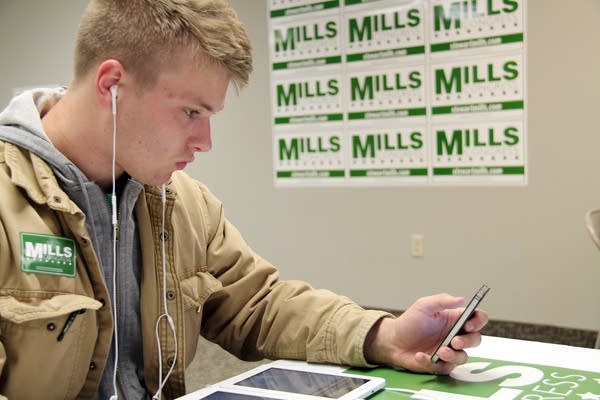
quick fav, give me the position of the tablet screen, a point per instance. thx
(303, 382)
(220, 395)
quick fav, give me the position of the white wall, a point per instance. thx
(528, 243)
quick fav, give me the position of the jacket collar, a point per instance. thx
(34, 175)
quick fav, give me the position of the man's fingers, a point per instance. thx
(465, 341)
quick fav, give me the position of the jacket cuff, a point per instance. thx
(347, 332)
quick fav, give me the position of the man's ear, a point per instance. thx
(108, 75)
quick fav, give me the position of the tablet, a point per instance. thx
(305, 381)
(219, 393)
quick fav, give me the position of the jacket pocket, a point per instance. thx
(195, 291)
(49, 340)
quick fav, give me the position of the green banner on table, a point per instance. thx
(489, 379)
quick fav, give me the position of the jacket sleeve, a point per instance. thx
(257, 315)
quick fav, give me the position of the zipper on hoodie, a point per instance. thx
(108, 197)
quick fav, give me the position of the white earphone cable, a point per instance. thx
(115, 222)
(165, 313)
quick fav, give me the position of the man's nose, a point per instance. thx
(201, 138)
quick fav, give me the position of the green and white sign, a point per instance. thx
(305, 42)
(387, 93)
(397, 154)
(313, 99)
(383, 33)
(475, 24)
(283, 8)
(47, 254)
(476, 151)
(484, 84)
(311, 155)
(392, 92)
(490, 379)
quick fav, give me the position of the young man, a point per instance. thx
(112, 261)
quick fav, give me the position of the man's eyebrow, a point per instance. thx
(207, 106)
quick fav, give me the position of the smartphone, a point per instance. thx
(460, 322)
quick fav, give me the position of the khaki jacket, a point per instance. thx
(216, 286)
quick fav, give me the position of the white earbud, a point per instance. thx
(113, 92)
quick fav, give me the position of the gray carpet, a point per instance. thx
(213, 364)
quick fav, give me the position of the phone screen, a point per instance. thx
(464, 317)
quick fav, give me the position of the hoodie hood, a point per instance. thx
(21, 124)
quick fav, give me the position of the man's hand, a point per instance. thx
(408, 340)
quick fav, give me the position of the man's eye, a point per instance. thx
(192, 113)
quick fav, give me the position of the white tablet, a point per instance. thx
(219, 393)
(304, 381)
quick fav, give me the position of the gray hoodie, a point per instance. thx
(20, 124)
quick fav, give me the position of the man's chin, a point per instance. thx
(154, 180)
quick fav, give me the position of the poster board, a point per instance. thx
(503, 369)
(409, 92)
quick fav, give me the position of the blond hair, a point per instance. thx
(144, 35)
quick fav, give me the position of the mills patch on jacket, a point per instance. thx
(47, 254)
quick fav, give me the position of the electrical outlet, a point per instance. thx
(417, 248)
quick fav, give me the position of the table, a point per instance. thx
(499, 369)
